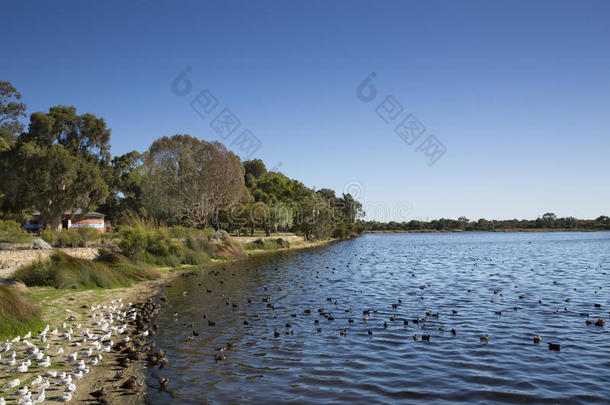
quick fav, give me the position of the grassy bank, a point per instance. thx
(17, 314)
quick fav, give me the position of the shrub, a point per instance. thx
(69, 238)
(152, 246)
(88, 234)
(341, 232)
(17, 314)
(195, 258)
(201, 245)
(134, 241)
(122, 264)
(50, 236)
(228, 248)
(268, 244)
(219, 235)
(108, 237)
(64, 271)
(13, 232)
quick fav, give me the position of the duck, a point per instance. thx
(554, 346)
(485, 338)
(99, 393)
(537, 339)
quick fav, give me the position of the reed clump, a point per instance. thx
(62, 271)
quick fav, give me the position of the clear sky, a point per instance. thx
(518, 92)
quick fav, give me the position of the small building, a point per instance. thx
(70, 220)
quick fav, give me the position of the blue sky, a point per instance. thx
(518, 93)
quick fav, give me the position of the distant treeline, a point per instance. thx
(62, 163)
(548, 221)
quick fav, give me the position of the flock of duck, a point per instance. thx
(47, 366)
(373, 319)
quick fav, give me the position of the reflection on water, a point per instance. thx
(540, 284)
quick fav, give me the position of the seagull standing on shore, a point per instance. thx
(40, 399)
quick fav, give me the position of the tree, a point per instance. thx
(84, 136)
(549, 216)
(56, 166)
(124, 178)
(187, 181)
(52, 181)
(255, 167)
(10, 112)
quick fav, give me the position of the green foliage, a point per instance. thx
(192, 257)
(17, 314)
(187, 180)
(50, 236)
(109, 237)
(13, 232)
(220, 235)
(268, 244)
(11, 110)
(134, 242)
(156, 246)
(64, 271)
(548, 221)
(88, 234)
(200, 245)
(69, 238)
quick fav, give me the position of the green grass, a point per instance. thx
(17, 314)
(62, 271)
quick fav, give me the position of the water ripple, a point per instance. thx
(510, 287)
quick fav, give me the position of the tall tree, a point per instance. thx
(11, 109)
(187, 180)
(57, 165)
(52, 181)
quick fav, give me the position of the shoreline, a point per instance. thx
(114, 370)
(517, 230)
(152, 291)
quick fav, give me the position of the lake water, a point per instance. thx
(431, 274)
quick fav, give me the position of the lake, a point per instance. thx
(509, 286)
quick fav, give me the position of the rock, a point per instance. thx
(40, 244)
(14, 284)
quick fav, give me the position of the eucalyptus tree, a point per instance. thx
(188, 181)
